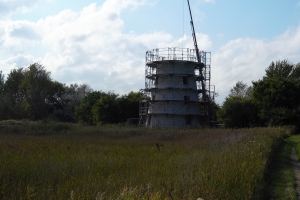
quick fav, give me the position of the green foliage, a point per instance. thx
(55, 98)
(129, 106)
(240, 90)
(277, 94)
(238, 110)
(31, 94)
(84, 110)
(3, 100)
(28, 93)
(2, 82)
(134, 163)
(14, 95)
(105, 110)
(279, 69)
(70, 98)
(36, 85)
(108, 108)
(272, 101)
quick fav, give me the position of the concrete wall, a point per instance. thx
(175, 97)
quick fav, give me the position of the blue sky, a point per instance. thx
(103, 42)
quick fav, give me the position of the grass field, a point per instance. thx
(63, 161)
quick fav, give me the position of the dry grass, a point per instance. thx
(119, 162)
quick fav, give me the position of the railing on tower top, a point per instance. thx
(174, 53)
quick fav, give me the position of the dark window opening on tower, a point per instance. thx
(185, 80)
(188, 120)
(156, 81)
(186, 99)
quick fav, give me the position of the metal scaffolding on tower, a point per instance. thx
(177, 89)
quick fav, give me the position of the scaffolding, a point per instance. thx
(174, 88)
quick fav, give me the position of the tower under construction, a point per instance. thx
(177, 90)
(174, 96)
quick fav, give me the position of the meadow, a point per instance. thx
(47, 160)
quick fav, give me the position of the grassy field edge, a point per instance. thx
(280, 181)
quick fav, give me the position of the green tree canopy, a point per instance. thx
(14, 95)
(277, 95)
(238, 110)
(102, 108)
(12, 86)
(2, 82)
(240, 90)
(129, 106)
(72, 98)
(105, 110)
(37, 86)
(84, 110)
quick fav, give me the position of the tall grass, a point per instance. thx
(119, 162)
(281, 177)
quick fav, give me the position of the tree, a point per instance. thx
(30, 93)
(278, 94)
(14, 95)
(12, 86)
(2, 82)
(280, 69)
(240, 90)
(37, 87)
(72, 97)
(129, 106)
(84, 110)
(3, 100)
(55, 100)
(105, 110)
(102, 108)
(238, 110)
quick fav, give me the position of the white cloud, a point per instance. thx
(203, 41)
(84, 47)
(91, 47)
(8, 7)
(245, 59)
(18, 60)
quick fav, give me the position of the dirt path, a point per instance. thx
(296, 164)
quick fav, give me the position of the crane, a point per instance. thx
(198, 55)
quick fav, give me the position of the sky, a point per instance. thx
(103, 42)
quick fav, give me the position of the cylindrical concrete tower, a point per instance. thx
(173, 90)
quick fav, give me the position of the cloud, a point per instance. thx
(90, 46)
(83, 47)
(23, 30)
(8, 7)
(203, 41)
(245, 59)
(16, 61)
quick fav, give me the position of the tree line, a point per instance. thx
(273, 100)
(30, 93)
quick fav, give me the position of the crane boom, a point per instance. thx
(197, 52)
(194, 34)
